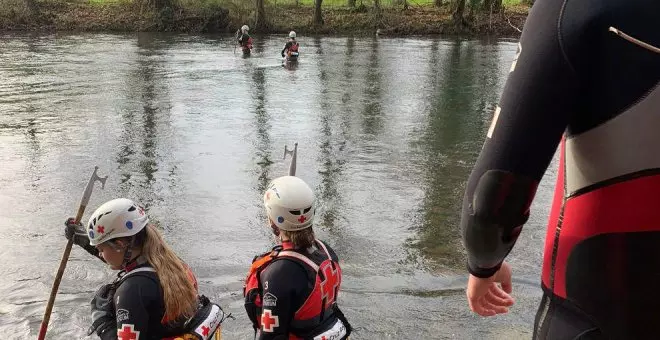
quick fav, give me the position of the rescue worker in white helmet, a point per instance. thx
(244, 39)
(290, 49)
(155, 293)
(291, 291)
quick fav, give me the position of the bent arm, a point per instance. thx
(538, 99)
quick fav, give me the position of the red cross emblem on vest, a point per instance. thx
(127, 333)
(269, 321)
(205, 330)
(331, 279)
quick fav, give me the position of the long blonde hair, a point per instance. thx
(179, 292)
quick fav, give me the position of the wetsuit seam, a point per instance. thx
(577, 337)
(560, 220)
(640, 98)
(561, 40)
(623, 111)
(615, 180)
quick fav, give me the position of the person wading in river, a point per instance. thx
(290, 49)
(244, 39)
(155, 293)
(291, 291)
(579, 82)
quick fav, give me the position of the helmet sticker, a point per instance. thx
(129, 225)
(280, 219)
(100, 229)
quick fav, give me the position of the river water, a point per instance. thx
(388, 129)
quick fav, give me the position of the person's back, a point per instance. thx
(305, 304)
(576, 81)
(291, 47)
(601, 251)
(243, 37)
(291, 292)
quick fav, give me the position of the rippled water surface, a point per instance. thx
(387, 129)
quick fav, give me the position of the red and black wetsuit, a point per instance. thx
(577, 85)
(291, 294)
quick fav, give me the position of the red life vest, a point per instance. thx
(319, 306)
(294, 47)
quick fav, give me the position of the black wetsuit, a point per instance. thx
(139, 306)
(243, 39)
(138, 302)
(580, 86)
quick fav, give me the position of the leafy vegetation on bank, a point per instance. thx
(397, 17)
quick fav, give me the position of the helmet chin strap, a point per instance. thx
(128, 253)
(275, 229)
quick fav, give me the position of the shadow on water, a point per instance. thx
(149, 107)
(452, 132)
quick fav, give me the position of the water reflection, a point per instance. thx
(331, 141)
(453, 130)
(262, 125)
(385, 150)
(147, 111)
(372, 120)
(34, 153)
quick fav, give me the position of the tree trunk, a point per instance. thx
(437, 3)
(458, 11)
(351, 3)
(492, 6)
(260, 22)
(33, 10)
(318, 16)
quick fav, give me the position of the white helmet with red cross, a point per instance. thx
(120, 217)
(289, 203)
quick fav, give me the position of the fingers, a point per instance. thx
(495, 296)
(502, 295)
(494, 302)
(478, 306)
(506, 286)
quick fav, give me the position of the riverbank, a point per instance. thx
(99, 15)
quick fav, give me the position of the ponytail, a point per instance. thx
(179, 291)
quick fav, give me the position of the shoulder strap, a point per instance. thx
(137, 271)
(305, 259)
(300, 257)
(260, 263)
(324, 248)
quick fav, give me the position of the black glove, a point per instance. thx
(77, 232)
(103, 319)
(282, 54)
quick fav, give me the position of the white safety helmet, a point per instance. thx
(245, 28)
(292, 34)
(289, 203)
(120, 217)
